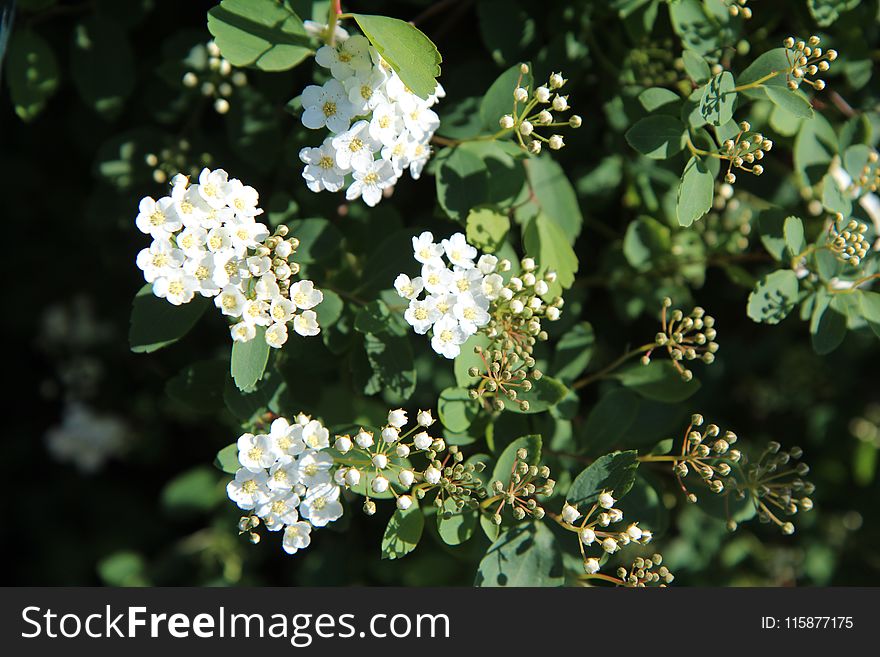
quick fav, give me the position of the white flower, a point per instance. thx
(471, 313)
(246, 233)
(487, 264)
(242, 332)
(459, 251)
(387, 126)
(588, 536)
(634, 532)
(279, 510)
(305, 295)
(591, 566)
(516, 306)
(560, 103)
(202, 270)
(520, 95)
(448, 337)
(397, 418)
(465, 280)
(355, 148)
(364, 90)
(569, 513)
(282, 310)
(296, 537)
(616, 515)
(492, 286)
(327, 106)
(322, 172)
(364, 438)
(421, 315)
(408, 288)
(542, 94)
(256, 452)
(380, 461)
(192, 240)
(212, 187)
(352, 476)
(159, 259)
(256, 312)
(177, 287)
(370, 182)
(306, 323)
(404, 502)
(276, 335)
(156, 218)
(442, 302)
(437, 279)
(418, 119)
(406, 478)
(432, 475)
(288, 439)
(422, 440)
(424, 418)
(313, 468)
(605, 500)
(242, 199)
(248, 488)
(314, 435)
(402, 450)
(556, 142)
(347, 58)
(283, 474)
(379, 484)
(425, 251)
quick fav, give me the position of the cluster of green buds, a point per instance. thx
(806, 60)
(248, 525)
(846, 239)
(508, 366)
(376, 462)
(744, 151)
(869, 176)
(685, 338)
(519, 493)
(176, 158)
(776, 485)
(533, 111)
(279, 249)
(645, 572)
(738, 8)
(594, 528)
(212, 75)
(709, 453)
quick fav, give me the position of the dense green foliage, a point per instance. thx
(633, 210)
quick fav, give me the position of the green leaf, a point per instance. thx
(774, 297)
(555, 195)
(827, 325)
(695, 193)
(695, 66)
(196, 490)
(457, 410)
(772, 61)
(658, 380)
(573, 352)
(833, 198)
(504, 465)
(462, 182)
(468, 359)
(659, 136)
(456, 526)
(793, 102)
(658, 98)
(814, 148)
(124, 568)
(319, 240)
(609, 420)
(227, 459)
(156, 323)
(391, 362)
(613, 472)
(376, 318)
(264, 34)
(412, 55)
(793, 231)
(403, 532)
(32, 72)
(498, 100)
(249, 361)
(546, 392)
(523, 555)
(487, 229)
(870, 305)
(826, 12)
(646, 241)
(719, 99)
(102, 65)
(547, 244)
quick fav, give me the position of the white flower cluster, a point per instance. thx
(378, 128)
(207, 241)
(457, 294)
(86, 438)
(285, 479)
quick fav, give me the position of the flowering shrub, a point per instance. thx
(486, 371)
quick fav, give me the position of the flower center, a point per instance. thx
(446, 336)
(319, 503)
(371, 178)
(366, 92)
(384, 121)
(254, 453)
(421, 314)
(329, 108)
(355, 145)
(249, 487)
(175, 288)
(326, 162)
(157, 218)
(201, 273)
(463, 285)
(279, 507)
(469, 313)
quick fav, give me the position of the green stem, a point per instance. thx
(601, 374)
(758, 82)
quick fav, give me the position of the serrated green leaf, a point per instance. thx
(555, 195)
(614, 472)
(487, 229)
